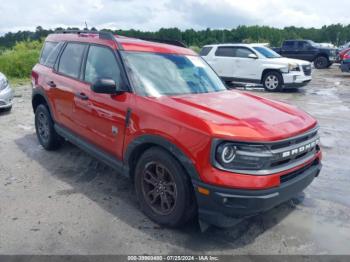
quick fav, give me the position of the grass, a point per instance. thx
(17, 63)
(19, 81)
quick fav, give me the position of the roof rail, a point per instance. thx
(164, 41)
(102, 35)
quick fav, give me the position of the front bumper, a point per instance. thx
(224, 207)
(6, 97)
(295, 79)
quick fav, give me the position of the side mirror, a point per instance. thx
(104, 86)
(253, 56)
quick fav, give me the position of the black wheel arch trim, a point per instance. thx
(40, 92)
(156, 140)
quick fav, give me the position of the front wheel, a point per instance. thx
(163, 188)
(272, 81)
(321, 62)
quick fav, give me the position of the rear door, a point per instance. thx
(224, 61)
(102, 117)
(65, 82)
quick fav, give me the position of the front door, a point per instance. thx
(102, 116)
(246, 68)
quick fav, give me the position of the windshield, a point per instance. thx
(156, 74)
(312, 43)
(266, 52)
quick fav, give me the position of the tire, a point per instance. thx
(45, 130)
(272, 81)
(321, 62)
(163, 189)
(8, 109)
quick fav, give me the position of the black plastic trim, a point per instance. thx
(96, 152)
(162, 142)
(38, 91)
(223, 207)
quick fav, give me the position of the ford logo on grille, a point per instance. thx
(301, 149)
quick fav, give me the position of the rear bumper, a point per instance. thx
(6, 96)
(223, 207)
(345, 67)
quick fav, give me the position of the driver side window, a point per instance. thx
(101, 63)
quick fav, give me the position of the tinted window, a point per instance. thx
(70, 60)
(227, 51)
(288, 44)
(205, 51)
(303, 45)
(50, 53)
(243, 52)
(233, 51)
(101, 63)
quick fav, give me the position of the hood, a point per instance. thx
(285, 61)
(238, 115)
(328, 49)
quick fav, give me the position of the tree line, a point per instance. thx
(336, 34)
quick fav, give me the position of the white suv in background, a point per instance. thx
(256, 63)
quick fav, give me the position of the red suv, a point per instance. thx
(159, 114)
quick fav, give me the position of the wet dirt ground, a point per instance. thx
(66, 202)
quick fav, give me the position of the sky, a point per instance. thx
(150, 15)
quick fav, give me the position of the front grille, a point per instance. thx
(293, 151)
(307, 70)
(296, 173)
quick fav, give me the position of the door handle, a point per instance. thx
(51, 84)
(82, 96)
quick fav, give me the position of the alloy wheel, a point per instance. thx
(271, 82)
(43, 127)
(159, 188)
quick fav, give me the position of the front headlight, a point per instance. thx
(3, 83)
(239, 156)
(293, 67)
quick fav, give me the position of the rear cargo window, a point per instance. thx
(205, 51)
(50, 53)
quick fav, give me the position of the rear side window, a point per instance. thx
(101, 63)
(70, 61)
(205, 51)
(233, 51)
(50, 53)
(228, 51)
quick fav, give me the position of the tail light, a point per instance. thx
(346, 56)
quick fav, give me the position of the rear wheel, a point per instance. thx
(163, 188)
(272, 81)
(321, 62)
(45, 130)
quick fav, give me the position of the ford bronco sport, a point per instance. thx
(159, 114)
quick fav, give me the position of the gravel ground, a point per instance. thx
(66, 202)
